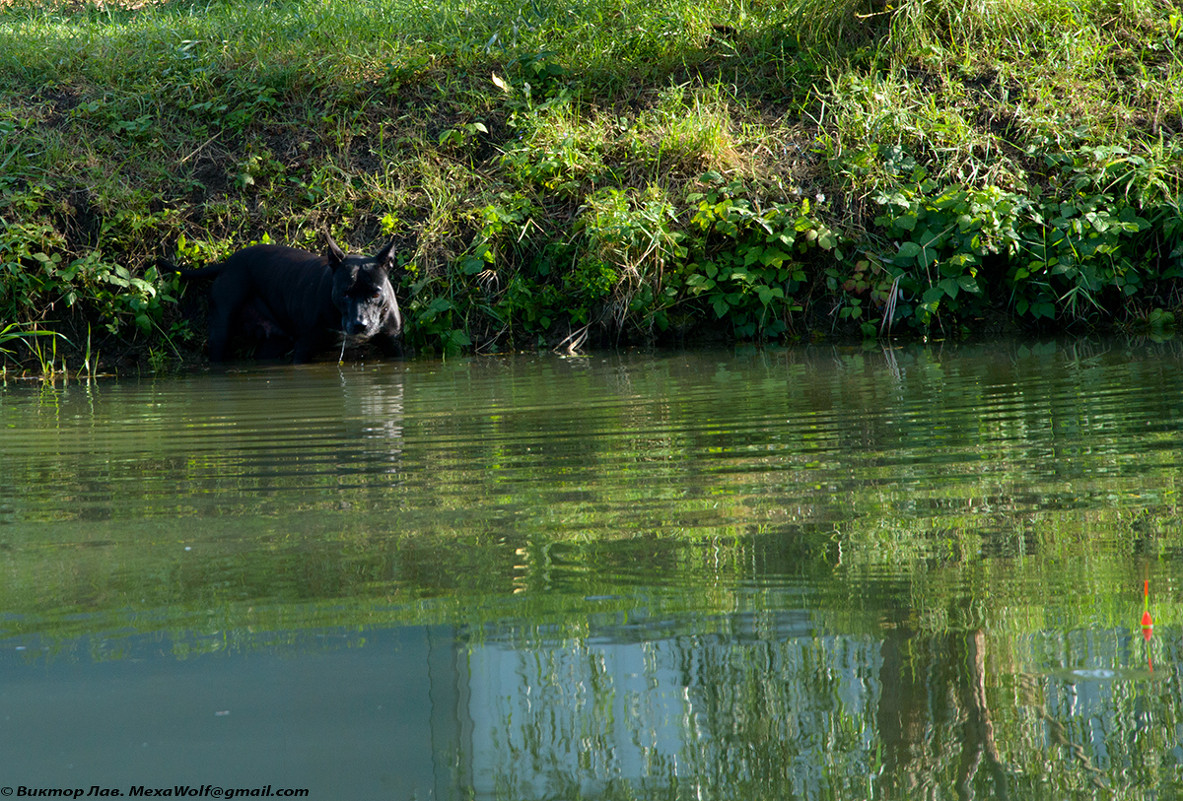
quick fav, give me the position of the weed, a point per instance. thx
(12, 333)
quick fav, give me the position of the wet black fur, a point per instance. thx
(273, 299)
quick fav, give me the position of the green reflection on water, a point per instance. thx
(806, 573)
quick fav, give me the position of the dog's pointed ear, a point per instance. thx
(335, 254)
(385, 257)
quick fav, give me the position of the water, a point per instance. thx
(810, 573)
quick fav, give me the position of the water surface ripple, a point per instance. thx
(809, 572)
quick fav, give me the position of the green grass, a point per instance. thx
(649, 171)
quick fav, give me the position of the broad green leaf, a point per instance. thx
(773, 257)
(969, 283)
(909, 250)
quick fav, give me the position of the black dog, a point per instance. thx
(279, 298)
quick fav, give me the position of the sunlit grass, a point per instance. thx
(220, 122)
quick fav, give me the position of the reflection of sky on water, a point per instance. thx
(615, 707)
(637, 708)
(584, 707)
(341, 714)
(524, 712)
(1100, 685)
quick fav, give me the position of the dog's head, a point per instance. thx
(363, 293)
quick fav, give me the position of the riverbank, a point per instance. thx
(603, 171)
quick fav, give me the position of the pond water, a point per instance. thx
(916, 572)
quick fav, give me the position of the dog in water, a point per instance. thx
(278, 298)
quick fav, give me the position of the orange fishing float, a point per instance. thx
(1147, 620)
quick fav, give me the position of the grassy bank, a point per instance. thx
(606, 171)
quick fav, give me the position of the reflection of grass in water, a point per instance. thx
(913, 487)
(239, 584)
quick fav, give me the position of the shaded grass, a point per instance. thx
(517, 152)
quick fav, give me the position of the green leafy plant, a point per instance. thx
(941, 236)
(749, 265)
(1077, 249)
